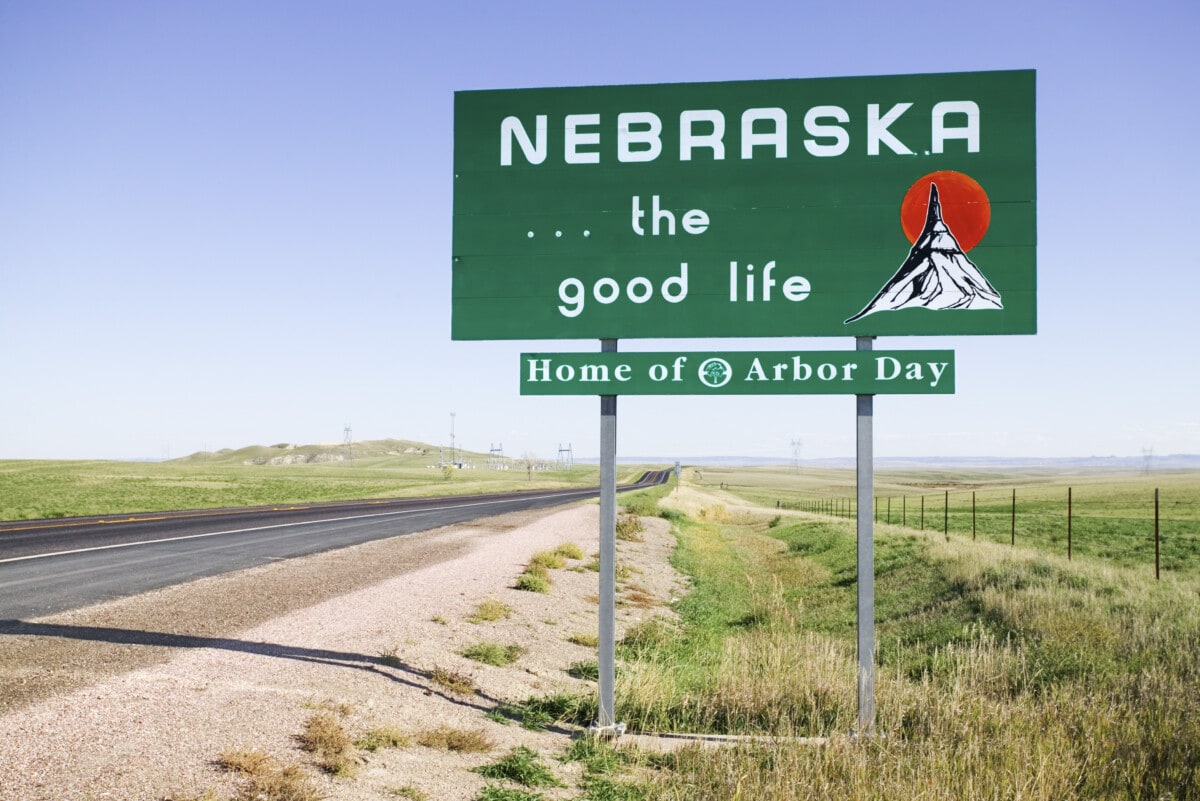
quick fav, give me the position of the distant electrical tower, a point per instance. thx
(455, 456)
(348, 441)
(496, 457)
(566, 459)
(1148, 457)
(796, 455)
(455, 451)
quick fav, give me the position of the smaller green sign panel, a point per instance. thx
(826, 372)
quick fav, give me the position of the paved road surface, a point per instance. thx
(49, 566)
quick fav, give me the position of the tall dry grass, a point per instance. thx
(1008, 674)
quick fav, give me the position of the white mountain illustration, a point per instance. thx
(936, 275)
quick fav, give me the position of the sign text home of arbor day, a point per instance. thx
(846, 372)
(822, 207)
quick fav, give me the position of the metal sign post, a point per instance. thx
(605, 719)
(866, 556)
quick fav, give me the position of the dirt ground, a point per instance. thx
(136, 699)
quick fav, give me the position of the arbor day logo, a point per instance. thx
(715, 373)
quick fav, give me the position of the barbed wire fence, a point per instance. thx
(1128, 526)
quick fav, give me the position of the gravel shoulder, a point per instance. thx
(136, 698)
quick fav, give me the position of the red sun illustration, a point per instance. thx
(965, 207)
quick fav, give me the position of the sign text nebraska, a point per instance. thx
(639, 134)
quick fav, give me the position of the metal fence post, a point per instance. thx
(1157, 574)
(1014, 517)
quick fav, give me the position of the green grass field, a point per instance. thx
(1112, 516)
(45, 489)
(1004, 673)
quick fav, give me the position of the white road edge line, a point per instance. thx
(280, 525)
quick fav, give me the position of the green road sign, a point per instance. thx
(837, 372)
(822, 207)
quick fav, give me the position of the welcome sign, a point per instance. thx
(895, 205)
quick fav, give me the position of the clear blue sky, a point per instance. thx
(228, 223)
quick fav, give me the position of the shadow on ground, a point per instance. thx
(386, 666)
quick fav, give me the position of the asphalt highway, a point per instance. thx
(49, 566)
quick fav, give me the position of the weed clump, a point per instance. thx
(391, 658)
(375, 739)
(493, 792)
(326, 738)
(537, 574)
(588, 670)
(240, 760)
(462, 741)
(636, 595)
(340, 707)
(493, 653)
(453, 681)
(533, 581)
(569, 550)
(286, 783)
(264, 778)
(410, 792)
(646, 637)
(630, 528)
(584, 638)
(489, 610)
(550, 560)
(602, 788)
(598, 756)
(538, 713)
(522, 766)
(645, 502)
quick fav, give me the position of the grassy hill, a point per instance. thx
(264, 475)
(383, 452)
